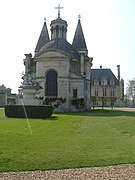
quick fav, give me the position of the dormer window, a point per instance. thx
(96, 82)
(112, 82)
(104, 82)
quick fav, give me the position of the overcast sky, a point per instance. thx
(108, 26)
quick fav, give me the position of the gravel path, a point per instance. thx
(119, 172)
(126, 109)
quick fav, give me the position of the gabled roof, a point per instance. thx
(43, 38)
(99, 74)
(79, 40)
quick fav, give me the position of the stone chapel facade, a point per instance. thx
(58, 69)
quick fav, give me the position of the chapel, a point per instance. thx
(58, 69)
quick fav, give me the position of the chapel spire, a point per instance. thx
(43, 38)
(79, 40)
(58, 27)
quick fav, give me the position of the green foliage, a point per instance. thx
(78, 102)
(19, 111)
(103, 99)
(126, 100)
(54, 101)
(131, 88)
(72, 140)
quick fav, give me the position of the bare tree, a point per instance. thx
(126, 100)
(131, 90)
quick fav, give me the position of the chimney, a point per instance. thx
(100, 69)
(118, 66)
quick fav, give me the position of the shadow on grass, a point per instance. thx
(94, 113)
(104, 113)
(52, 118)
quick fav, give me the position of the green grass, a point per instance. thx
(96, 138)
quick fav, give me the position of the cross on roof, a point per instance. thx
(79, 16)
(58, 10)
(45, 19)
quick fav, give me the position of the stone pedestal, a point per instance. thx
(29, 96)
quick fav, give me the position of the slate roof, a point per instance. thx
(43, 38)
(98, 74)
(79, 44)
(79, 40)
(63, 45)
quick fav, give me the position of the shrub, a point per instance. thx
(54, 101)
(78, 102)
(27, 111)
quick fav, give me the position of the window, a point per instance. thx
(112, 92)
(57, 31)
(112, 82)
(104, 91)
(51, 84)
(96, 83)
(96, 92)
(62, 31)
(104, 82)
(74, 93)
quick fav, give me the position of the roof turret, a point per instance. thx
(79, 40)
(43, 38)
(58, 27)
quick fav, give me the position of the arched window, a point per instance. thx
(63, 31)
(51, 87)
(57, 31)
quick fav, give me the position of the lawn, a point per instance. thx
(96, 138)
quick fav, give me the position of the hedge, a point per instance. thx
(27, 111)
